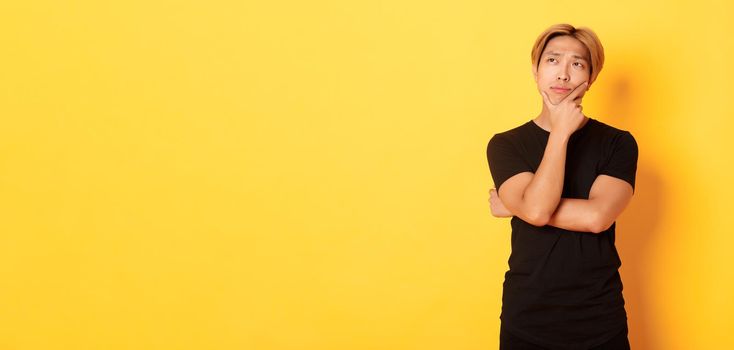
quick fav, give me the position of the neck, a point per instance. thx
(543, 120)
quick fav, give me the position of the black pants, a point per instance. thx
(510, 342)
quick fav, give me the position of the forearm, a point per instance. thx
(543, 194)
(576, 215)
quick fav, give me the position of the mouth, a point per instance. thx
(560, 90)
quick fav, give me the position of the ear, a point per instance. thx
(534, 70)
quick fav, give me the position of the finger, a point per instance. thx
(546, 99)
(577, 91)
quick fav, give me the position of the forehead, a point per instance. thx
(566, 45)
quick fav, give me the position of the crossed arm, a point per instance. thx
(608, 197)
(535, 197)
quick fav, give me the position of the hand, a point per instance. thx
(496, 206)
(566, 116)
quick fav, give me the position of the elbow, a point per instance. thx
(600, 223)
(539, 219)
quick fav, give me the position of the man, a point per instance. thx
(564, 178)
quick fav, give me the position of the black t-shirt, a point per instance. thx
(563, 289)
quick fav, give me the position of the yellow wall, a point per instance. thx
(312, 174)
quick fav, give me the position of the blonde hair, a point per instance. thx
(586, 36)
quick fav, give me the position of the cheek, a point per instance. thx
(545, 77)
(582, 75)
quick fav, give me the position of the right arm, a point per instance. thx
(534, 196)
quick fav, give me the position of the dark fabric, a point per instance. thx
(508, 341)
(563, 289)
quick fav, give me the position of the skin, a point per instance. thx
(536, 197)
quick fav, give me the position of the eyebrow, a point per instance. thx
(558, 54)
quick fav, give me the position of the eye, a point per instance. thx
(580, 64)
(548, 59)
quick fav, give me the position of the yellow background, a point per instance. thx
(312, 174)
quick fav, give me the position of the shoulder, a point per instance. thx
(607, 128)
(616, 139)
(614, 134)
(510, 136)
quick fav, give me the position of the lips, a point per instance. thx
(560, 89)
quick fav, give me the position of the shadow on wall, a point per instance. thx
(637, 227)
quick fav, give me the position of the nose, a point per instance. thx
(563, 74)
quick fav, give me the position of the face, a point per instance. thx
(563, 66)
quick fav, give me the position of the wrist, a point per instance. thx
(559, 135)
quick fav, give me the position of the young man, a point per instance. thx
(564, 178)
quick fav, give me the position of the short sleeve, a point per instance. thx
(504, 160)
(622, 162)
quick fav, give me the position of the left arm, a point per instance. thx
(608, 197)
